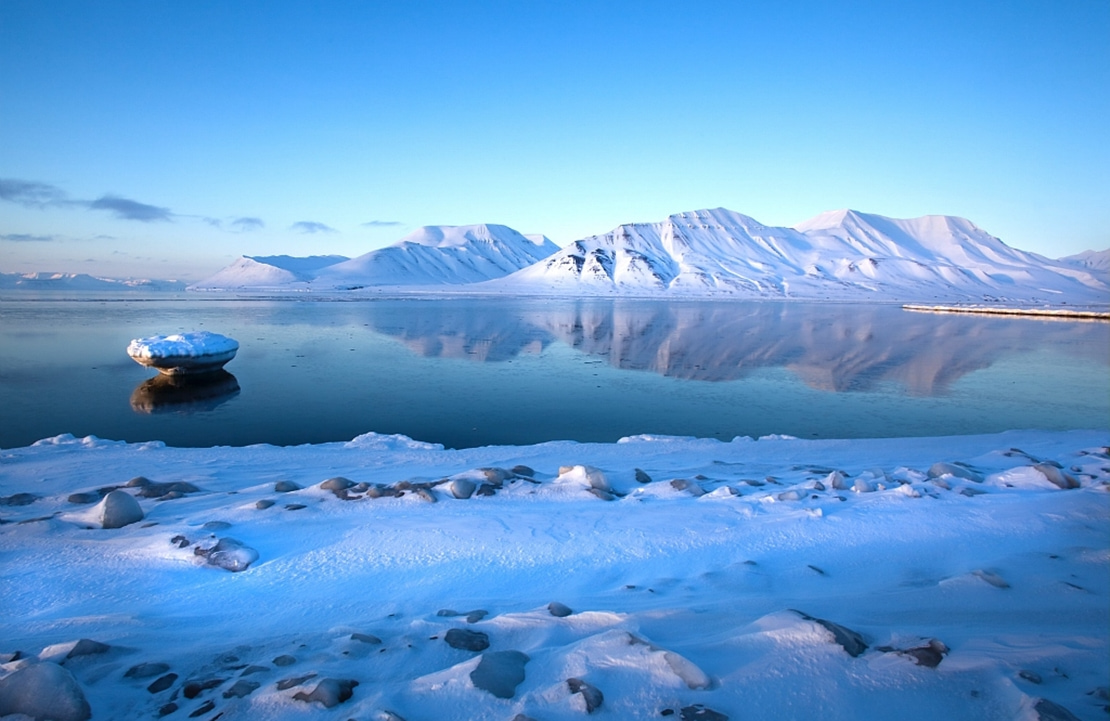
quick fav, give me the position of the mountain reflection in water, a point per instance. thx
(834, 347)
(184, 393)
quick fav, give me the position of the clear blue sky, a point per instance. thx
(165, 139)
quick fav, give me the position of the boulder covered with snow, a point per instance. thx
(184, 353)
(117, 509)
(43, 691)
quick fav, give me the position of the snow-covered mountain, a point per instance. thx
(1095, 260)
(273, 271)
(842, 254)
(440, 255)
(82, 281)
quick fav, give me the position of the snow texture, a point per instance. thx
(838, 579)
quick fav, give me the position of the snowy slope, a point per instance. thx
(82, 281)
(1093, 260)
(959, 578)
(440, 255)
(842, 254)
(274, 271)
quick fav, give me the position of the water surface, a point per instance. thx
(470, 372)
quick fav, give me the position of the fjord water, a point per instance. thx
(468, 372)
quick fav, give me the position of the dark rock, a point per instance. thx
(495, 476)
(602, 494)
(466, 640)
(286, 487)
(991, 577)
(476, 615)
(642, 477)
(88, 647)
(365, 638)
(681, 484)
(848, 639)
(559, 610)
(180, 541)
(284, 660)
(522, 717)
(203, 708)
(937, 470)
(287, 683)
(486, 490)
(1030, 676)
(294, 506)
(161, 684)
(232, 555)
(241, 688)
(118, 509)
(91, 497)
(1056, 476)
(216, 526)
(167, 709)
(361, 487)
(930, 655)
(1049, 711)
(263, 504)
(146, 670)
(425, 495)
(697, 712)
(523, 470)
(43, 691)
(138, 482)
(196, 688)
(499, 672)
(591, 694)
(160, 490)
(330, 692)
(251, 670)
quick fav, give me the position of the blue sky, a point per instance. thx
(165, 139)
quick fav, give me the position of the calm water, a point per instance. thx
(474, 372)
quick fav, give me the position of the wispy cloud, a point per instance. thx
(311, 226)
(27, 238)
(381, 223)
(30, 193)
(127, 209)
(247, 224)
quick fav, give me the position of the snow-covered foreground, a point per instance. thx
(943, 578)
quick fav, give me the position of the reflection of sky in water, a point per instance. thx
(471, 372)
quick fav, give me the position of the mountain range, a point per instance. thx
(839, 255)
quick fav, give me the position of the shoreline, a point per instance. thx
(1050, 313)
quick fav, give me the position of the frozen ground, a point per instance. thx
(648, 579)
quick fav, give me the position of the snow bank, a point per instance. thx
(956, 578)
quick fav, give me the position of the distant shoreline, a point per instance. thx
(997, 310)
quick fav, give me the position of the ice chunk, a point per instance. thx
(183, 353)
(117, 509)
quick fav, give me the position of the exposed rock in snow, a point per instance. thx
(591, 695)
(117, 509)
(45, 692)
(499, 672)
(846, 638)
(467, 640)
(330, 692)
(229, 554)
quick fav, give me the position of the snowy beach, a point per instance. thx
(959, 578)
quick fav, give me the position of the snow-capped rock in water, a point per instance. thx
(842, 254)
(273, 271)
(440, 255)
(184, 353)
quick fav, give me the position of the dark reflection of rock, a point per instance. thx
(184, 394)
(834, 347)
